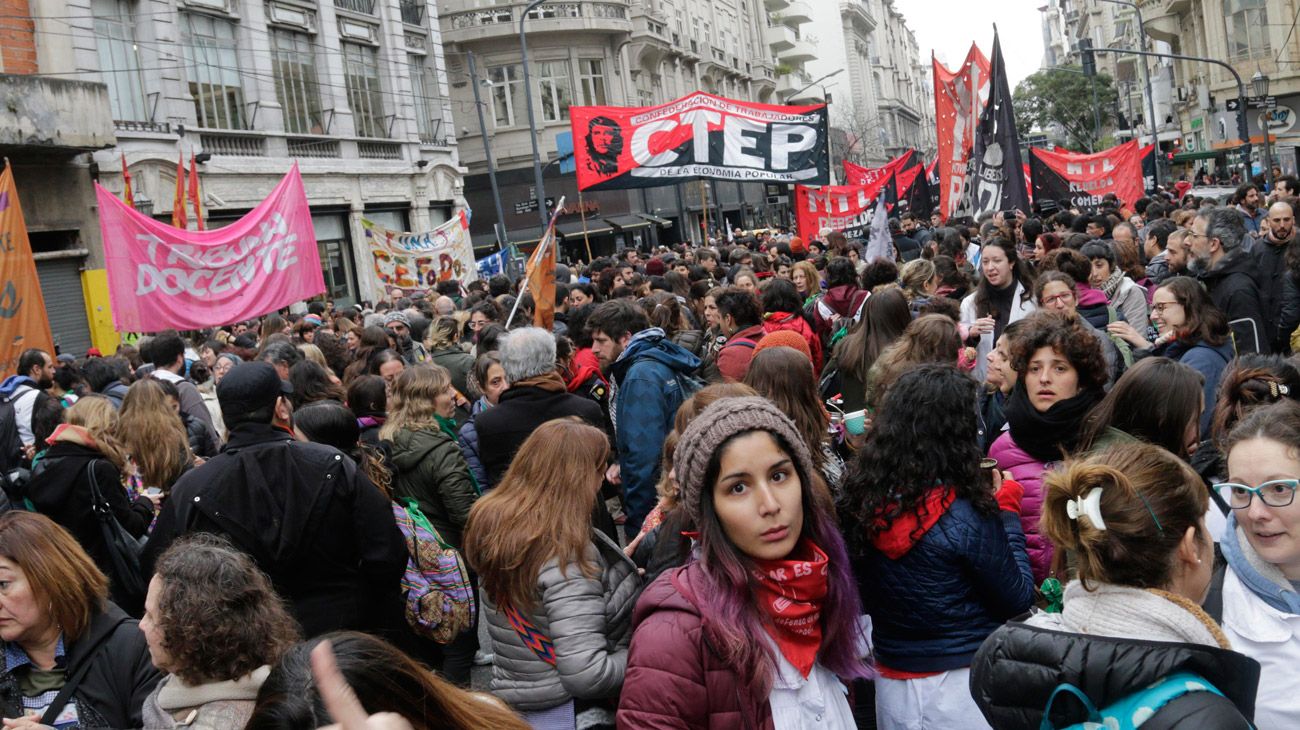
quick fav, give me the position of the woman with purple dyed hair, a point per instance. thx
(763, 628)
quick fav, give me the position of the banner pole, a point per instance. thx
(547, 238)
(582, 210)
(704, 210)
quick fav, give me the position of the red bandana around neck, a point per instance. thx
(790, 592)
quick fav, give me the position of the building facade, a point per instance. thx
(353, 91)
(904, 101)
(1252, 36)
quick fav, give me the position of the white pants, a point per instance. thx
(941, 702)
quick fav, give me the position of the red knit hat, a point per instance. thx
(784, 338)
(655, 267)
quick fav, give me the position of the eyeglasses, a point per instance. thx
(1277, 493)
(1057, 298)
(1162, 306)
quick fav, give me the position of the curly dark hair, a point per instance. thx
(930, 411)
(1066, 334)
(218, 614)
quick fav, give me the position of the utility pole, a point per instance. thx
(539, 185)
(1146, 79)
(502, 239)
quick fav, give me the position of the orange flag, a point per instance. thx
(23, 323)
(541, 280)
(178, 201)
(195, 198)
(127, 196)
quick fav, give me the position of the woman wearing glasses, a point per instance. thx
(1191, 330)
(1257, 593)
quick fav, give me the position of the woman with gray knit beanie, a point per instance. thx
(761, 630)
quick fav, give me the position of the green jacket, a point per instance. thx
(428, 466)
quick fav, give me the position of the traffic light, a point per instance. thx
(1086, 57)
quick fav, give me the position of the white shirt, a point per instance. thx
(23, 407)
(819, 702)
(1272, 638)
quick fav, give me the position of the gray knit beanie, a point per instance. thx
(717, 423)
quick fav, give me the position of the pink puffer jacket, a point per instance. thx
(1017, 464)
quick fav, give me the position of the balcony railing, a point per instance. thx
(364, 7)
(552, 11)
(379, 150)
(413, 11)
(127, 125)
(234, 145)
(319, 148)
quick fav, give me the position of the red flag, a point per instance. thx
(127, 195)
(958, 98)
(541, 280)
(24, 323)
(195, 198)
(178, 200)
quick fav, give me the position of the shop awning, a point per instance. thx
(573, 229)
(1202, 155)
(662, 222)
(627, 222)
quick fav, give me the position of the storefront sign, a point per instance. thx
(161, 277)
(421, 260)
(699, 137)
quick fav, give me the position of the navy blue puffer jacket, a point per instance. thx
(952, 585)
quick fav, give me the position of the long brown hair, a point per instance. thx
(930, 338)
(540, 511)
(1203, 320)
(412, 405)
(153, 434)
(784, 376)
(96, 414)
(61, 574)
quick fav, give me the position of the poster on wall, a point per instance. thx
(162, 277)
(699, 137)
(421, 260)
(1084, 179)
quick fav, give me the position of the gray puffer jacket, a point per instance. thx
(589, 620)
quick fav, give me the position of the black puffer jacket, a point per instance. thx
(117, 682)
(1019, 666)
(1235, 289)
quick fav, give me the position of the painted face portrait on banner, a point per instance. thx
(604, 145)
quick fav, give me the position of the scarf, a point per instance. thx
(368, 421)
(1111, 286)
(1001, 302)
(1046, 435)
(906, 529)
(1261, 578)
(1123, 612)
(790, 594)
(70, 434)
(551, 382)
(584, 366)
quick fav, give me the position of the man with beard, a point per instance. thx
(604, 145)
(649, 378)
(17, 398)
(1248, 201)
(1229, 275)
(1270, 263)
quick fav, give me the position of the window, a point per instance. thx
(212, 67)
(361, 73)
(553, 81)
(592, 76)
(428, 113)
(1247, 25)
(296, 87)
(507, 94)
(119, 60)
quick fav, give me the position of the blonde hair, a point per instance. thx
(915, 275)
(412, 404)
(541, 511)
(96, 414)
(1149, 498)
(313, 353)
(153, 434)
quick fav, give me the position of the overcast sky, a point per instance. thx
(949, 26)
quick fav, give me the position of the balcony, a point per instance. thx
(413, 11)
(775, 5)
(499, 22)
(790, 83)
(780, 38)
(801, 52)
(798, 13)
(361, 7)
(860, 12)
(61, 116)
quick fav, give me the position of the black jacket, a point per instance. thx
(60, 490)
(115, 686)
(1234, 288)
(313, 522)
(1270, 262)
(908, 248)
(1019, 666)
(520, 410)
(202, 439)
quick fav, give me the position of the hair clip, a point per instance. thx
(1089, 506)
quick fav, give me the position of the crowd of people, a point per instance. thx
(1034, 471)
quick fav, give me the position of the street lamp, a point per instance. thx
(1259, 82)
(532, 116)
(836, 72)
(487, 153)
(1146, 79)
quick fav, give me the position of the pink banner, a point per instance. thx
(161, 277)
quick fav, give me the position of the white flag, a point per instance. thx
(880, 245)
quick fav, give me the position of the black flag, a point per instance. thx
(997, 181)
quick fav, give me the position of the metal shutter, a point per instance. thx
(65, 304)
